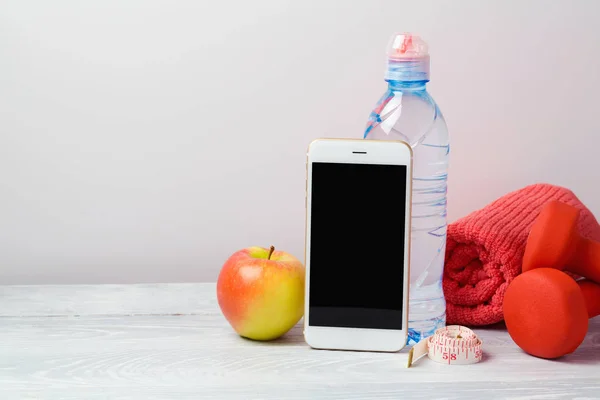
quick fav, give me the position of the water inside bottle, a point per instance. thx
(407, 112)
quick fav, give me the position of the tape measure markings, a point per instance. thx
(452, 344)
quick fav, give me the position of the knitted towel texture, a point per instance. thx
(484, 251)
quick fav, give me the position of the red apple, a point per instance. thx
(261, 292)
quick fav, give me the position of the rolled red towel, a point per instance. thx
(484, 251)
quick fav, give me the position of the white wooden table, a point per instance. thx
(169, 341)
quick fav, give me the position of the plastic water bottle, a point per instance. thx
(407, 112)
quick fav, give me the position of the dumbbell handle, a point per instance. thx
(591, 294)
(587, 260)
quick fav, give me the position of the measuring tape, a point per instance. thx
(453, 344)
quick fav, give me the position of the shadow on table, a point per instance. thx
(293, 337)
(588, 353)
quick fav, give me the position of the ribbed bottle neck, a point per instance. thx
(408, 70)
(399, 86)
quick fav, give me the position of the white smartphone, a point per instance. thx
(358, 209)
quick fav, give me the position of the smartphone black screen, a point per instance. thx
(357, 235)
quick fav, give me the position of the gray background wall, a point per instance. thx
(147, 140)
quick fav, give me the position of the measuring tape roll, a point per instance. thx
(452, 344)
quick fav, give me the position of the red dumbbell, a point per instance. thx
(554, 242)
(546, 311)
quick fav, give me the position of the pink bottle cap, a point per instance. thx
(406, 46)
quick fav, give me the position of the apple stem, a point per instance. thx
(271, 250)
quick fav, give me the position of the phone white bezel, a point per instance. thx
(358, 151)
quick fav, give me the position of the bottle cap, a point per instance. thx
(403, 46)
(407, 58)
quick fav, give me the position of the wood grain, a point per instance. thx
(72, 300)
(198, 356)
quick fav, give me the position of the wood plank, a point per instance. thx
(170, 341)
(72, 300)
(199, 356)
